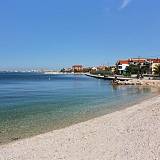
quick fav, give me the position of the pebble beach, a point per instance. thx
(132, 133)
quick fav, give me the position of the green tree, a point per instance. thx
(62, 70)
(145, 69)
(132, 69)
(157, 69)
(138, 69)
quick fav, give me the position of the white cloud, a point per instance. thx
(124, 4)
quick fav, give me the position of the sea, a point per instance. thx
(35, 103)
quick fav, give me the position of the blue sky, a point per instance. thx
(59, 33)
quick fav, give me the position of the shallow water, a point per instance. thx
(31, 104)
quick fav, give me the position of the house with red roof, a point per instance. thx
(123, 64)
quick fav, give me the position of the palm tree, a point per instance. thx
(157, 69)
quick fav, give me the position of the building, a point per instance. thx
(77, 68)
(113, 69)
(122, 65)
(94, 69)
(136, 61)
(153, 63)
(66, 70)
(102, 68)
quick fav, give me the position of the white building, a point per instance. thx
(122, 65)
(154, 63)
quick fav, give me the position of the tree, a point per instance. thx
(62, 70)
(157, 69)
(138, 69)
(132, 69)
(85, 70)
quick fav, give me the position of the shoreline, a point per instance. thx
(89, 139)
(90, 116)
(139, 82)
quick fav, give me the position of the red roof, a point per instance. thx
(138, 61)
(154, 60)
(123, 62)
(131, 60)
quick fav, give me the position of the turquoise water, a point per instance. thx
(31, 104)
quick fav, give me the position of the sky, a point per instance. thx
(60, 33)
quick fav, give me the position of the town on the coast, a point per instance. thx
(127, 67)
(131, 71)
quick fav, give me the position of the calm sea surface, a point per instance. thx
(31, 104)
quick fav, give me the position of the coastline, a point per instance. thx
(143, 82)
(83, 118)
(131, 133)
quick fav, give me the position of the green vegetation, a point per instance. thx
(126, 74)
(137, 69)
(132, 69)
(86, 70)
(62, 70)
(103, 73)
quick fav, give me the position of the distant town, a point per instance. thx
(125, 67)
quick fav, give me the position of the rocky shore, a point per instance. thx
(153, 83)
